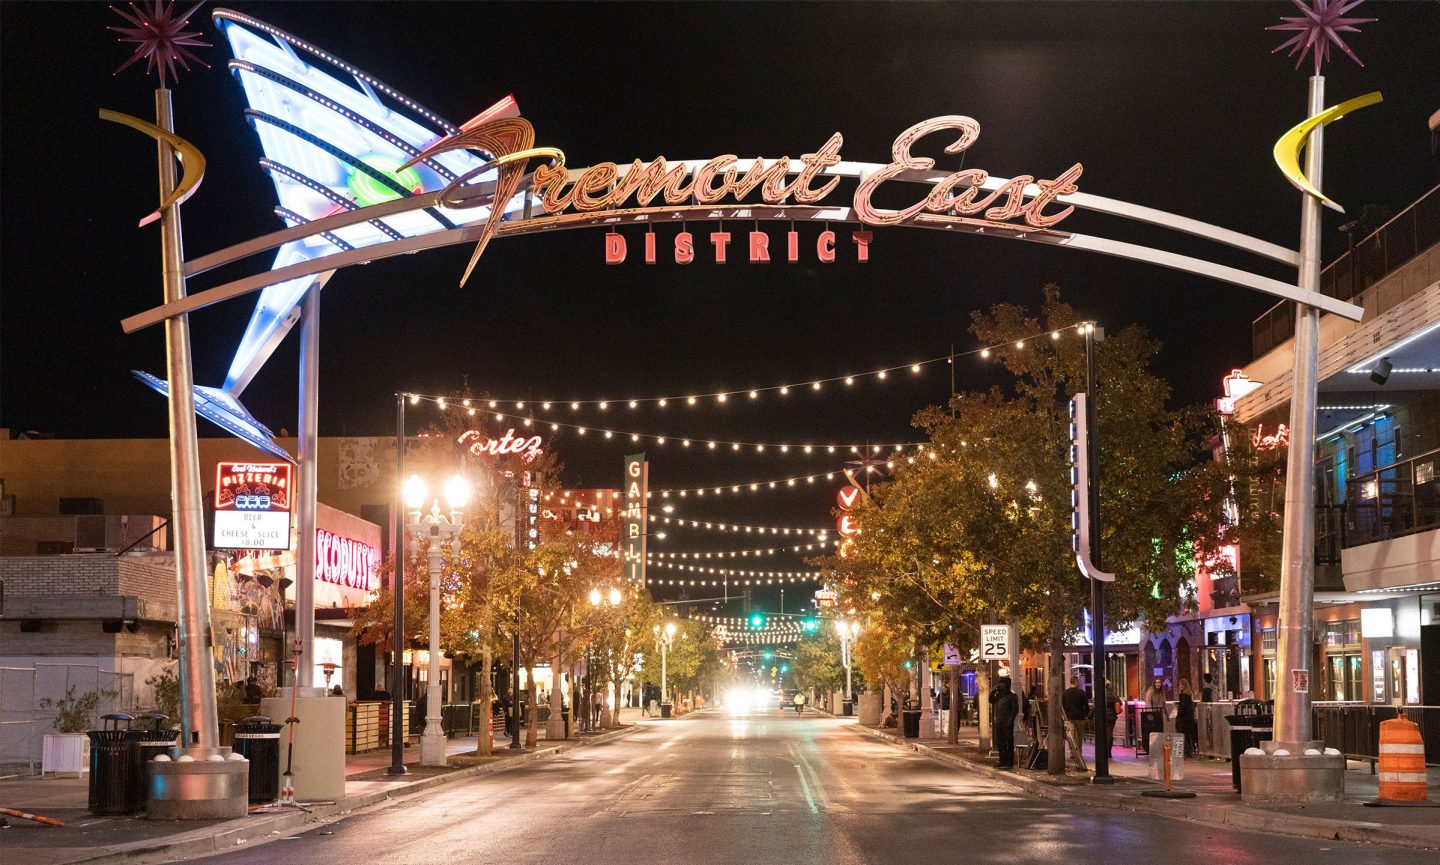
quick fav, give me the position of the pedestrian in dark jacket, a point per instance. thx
(1185, 723)
(1076, 705)
(1007, 709)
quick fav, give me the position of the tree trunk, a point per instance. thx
(885, 707)
(555, 728)
(532, 735)
(953, 731)
(1055, 736)
(482, 744)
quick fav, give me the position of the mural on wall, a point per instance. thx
(358, 464)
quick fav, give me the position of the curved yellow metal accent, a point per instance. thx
(188, 154)
(1290, 145)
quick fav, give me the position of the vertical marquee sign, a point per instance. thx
(252, 506)
(633, 528)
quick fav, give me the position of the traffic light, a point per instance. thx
(757, 620)
(784, 668)
(769, 654)
(811, 625)
(909, 664)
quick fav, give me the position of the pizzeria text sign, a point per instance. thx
(252, 506)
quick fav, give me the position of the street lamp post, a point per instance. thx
(848, 631)
(613, 597)
(447, 529)
(666, 634)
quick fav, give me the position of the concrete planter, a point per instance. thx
(870, 707)
(65, 753)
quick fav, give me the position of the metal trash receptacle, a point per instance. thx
(110, 771)
(666, 709)
(911, 720)
(257, 739)
(847, 708)
(1151, 721)
(149, 737)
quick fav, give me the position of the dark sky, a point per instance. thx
(1172, 105)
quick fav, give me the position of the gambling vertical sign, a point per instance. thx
(632, 527)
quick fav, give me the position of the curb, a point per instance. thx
(227, 836)
(1220, 815)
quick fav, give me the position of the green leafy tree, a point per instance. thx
(817, 663)
(981, 521)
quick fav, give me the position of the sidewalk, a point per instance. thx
(97, 840)
(1215, 801)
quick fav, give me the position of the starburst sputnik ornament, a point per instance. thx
(160, 37)
(1318, 28)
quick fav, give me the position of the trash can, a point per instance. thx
(665, 709)
(1252, 723)
(258, 740)
(149, 739)
(110, 758)
(565, 716)
(1151, 721)
(847, 708)
(911, 719)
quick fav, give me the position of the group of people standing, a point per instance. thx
(1007, 707)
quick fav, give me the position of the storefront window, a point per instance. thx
(1269, 665)
(1268, 641)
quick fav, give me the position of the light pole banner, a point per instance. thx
(633, 529)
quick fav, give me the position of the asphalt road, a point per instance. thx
(761, 789)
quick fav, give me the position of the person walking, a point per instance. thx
(1112, 712)
(1185, 719)
(1076, 705)
(1007, 709)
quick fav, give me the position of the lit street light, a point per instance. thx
(438, 527)
(666, 635)
(847, 631)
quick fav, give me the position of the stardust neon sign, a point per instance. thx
(345, 561)
(481, 444)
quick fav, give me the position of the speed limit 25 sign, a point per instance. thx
(997, 642)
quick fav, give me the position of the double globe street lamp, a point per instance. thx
(666, 635)
(847, 631)
(441, 529)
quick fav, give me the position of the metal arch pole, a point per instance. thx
(1297, 561)
(307, 498)
(397, 595)
(432, 739)
(198, 717)
(1102, 699)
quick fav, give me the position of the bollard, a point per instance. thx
(1402, 762)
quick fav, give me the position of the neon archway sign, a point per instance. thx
(363, 172)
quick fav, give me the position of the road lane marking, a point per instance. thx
(805, 787)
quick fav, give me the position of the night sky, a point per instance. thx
(1173, 105)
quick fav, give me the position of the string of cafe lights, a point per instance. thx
(732, 554)
(724, 445)
(724, 397)
(779, 483)
(682, 522)
(737, 572)
(743, 621)
(711, 583)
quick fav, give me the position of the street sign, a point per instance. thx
(951, 655)
(997, 642)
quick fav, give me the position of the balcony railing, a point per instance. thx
(1412, 231)
(1397, 500)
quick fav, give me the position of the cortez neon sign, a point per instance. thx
(481, 444)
